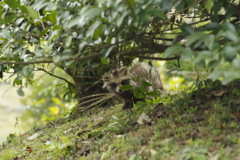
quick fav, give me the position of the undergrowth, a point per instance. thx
(199, 125)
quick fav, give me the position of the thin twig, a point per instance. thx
(95, 83)
(41, 69)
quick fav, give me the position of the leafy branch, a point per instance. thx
(78, 59)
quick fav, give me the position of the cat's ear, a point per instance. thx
(107, 77)
(122, 71)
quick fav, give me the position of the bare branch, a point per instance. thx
(25, 63)
(41, 69)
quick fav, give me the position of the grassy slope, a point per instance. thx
(201, 125)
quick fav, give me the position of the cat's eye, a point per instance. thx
(113, 85)
(125, 82)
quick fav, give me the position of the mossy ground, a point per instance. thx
(201, 125)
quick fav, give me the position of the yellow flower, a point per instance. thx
(54, 110)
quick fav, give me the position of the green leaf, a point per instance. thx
(34, 40)
(191, 2)
(120, 18)
(231, 36)
(9, 18)
(143, 90)
(166, 5)
(187, 29)
(212, 26)
(197, 38)
(209, 5)
(212, 64)
(17, 81)
(173, 50)
(68, 41)
(107, 51)
(146, 84)
(76, 21)
(56, 30)
(230, 27)
(187, 54)
(94, 65)
(92, 13)
(5, 34)
(29, 11)
(131, 2)
(14, 4)
(19, 21)
(126, 87)
(39, 4)
(104, 61)
(27, 71)
(209, 41)
(236, 62)
(91, 30)
(137, 93)
(11, 135)
(152, 94)
(56, 59)
(231, 32)
(156, 13)
(82, 45)
(229, 52)
(201, 56)
(51, 16)
(230, 75)
(216, 74)
(202, 63)
(20, 92)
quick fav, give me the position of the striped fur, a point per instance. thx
(134, 76)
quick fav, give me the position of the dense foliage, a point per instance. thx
(85, 37)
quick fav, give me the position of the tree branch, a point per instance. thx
(97, 55)
(51, 61)
(25, 63)
(145, 48)
(156, 58)
(41, 69)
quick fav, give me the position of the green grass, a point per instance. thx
(201, 125)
